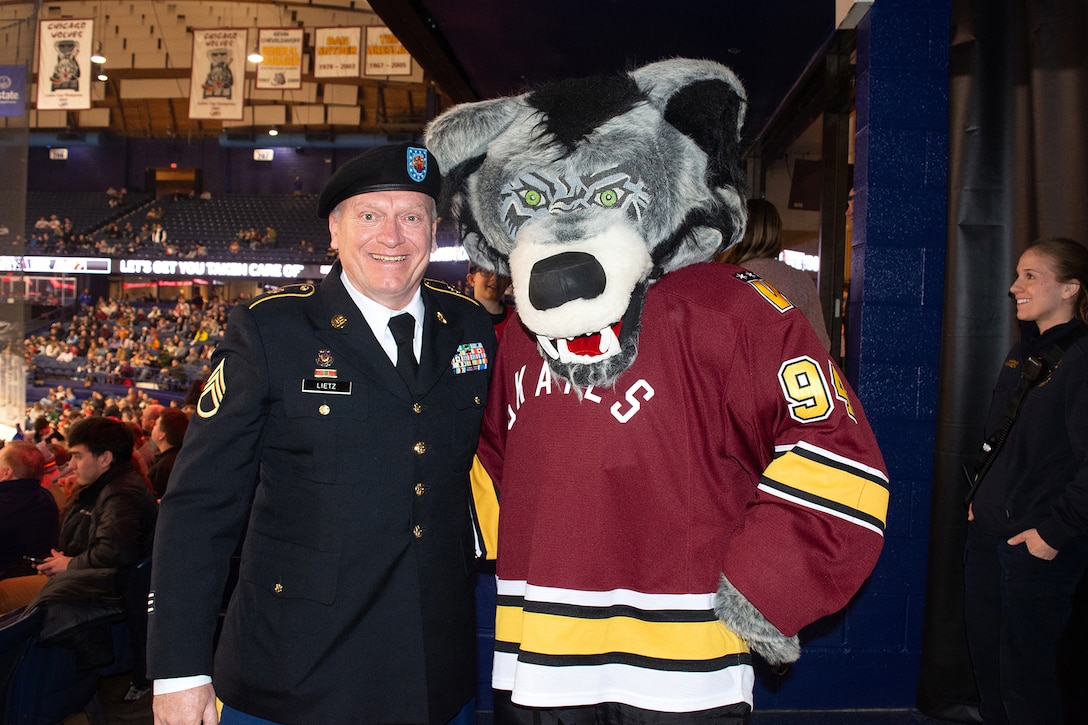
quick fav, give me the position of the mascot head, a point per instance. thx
(586, 191)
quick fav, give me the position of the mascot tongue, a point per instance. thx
(584, 347)
(590, 345)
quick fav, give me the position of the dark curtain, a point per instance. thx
(1018, 171)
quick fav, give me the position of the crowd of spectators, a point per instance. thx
(78, 492)
(124, 343)
(52, 236)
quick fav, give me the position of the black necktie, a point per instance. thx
(403, 327)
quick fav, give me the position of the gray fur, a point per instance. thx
(489, 150)
(743, 619)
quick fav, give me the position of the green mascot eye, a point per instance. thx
(533, 197)
(608, 197)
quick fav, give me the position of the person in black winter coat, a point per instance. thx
(28, 512)
(111, 522)
(1027, 540)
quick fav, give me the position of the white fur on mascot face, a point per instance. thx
(586, 191)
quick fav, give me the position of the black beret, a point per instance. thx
(401, 167)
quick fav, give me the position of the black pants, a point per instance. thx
(612, 713)
(1017, 607)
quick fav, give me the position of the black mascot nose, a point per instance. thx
(564, 277)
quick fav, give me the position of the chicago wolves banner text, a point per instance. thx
(64, 64)
(219, 73)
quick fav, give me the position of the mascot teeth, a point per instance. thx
(584, 349)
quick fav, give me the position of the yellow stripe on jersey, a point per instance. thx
(809, 478)
(571, 635)
(486, 502)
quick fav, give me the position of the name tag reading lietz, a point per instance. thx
(326, 386)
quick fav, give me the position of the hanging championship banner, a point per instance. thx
(385, 56)
(336, 52)
(12, 90)
(64, 64)
(281, 69)
(217, 82)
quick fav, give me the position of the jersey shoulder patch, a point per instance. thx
(765, 289)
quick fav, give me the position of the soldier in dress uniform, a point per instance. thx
(342, 454)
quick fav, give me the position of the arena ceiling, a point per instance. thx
(464, 50)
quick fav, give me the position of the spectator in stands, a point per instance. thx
(44, 431)
(168, 434)
(158, 235)
(149, 449)
(57, 480)
(110, 524)
(28, 513)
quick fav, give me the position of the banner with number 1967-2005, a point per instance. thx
(64, 64)
(217, 83)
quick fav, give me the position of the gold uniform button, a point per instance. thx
(417, 531)
(339, 321)
(324, 409)
(417, 408)
(278, 589)
(477, 399)
(420, 489)
(420, 448)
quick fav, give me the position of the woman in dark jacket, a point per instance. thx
(1026, 541)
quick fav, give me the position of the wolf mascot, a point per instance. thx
(684, 475)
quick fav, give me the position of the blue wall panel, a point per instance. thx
(868, 656)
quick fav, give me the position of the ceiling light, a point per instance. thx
(255, 57)
(98, 58)
(103, 77)
(273, 132)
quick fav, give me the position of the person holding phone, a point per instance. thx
(28, 513)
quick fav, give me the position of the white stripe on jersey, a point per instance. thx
(663, 691)
(613, 597)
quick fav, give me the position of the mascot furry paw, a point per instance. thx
(684, 474)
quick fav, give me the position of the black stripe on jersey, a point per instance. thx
(847, 511)
(857, 471)
(625, 658)
(616, 610)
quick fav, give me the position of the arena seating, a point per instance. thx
(188, 221)
(88, 210)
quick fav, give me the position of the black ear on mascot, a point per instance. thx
(708, 110)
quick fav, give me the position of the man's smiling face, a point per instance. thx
(385, 240)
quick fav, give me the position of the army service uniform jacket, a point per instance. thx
(354, 602)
